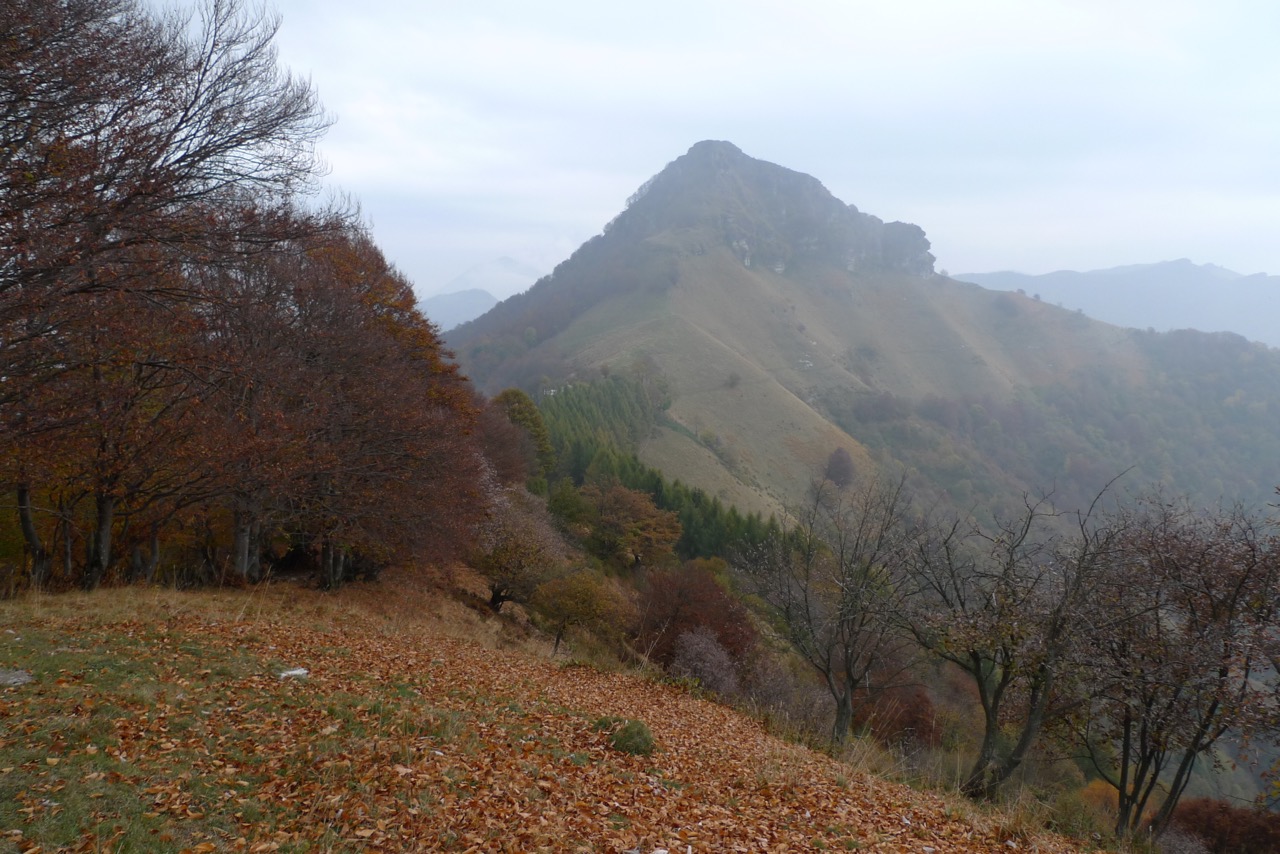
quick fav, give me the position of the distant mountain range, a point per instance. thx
(472, 293)
(453, 309)
(1169, 295)
(786, 324)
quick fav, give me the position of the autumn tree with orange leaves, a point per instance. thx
(193, 360)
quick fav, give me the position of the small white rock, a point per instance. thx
(14, 678)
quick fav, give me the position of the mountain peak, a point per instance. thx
(715, 148)
(770, 216)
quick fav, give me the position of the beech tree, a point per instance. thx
(124, 138)
(393, 467)
(521, 551)
(120, 128)
(122, 131)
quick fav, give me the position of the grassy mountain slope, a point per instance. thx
(157, 721)
(789, 324)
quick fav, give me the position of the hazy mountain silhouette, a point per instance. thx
(1169, 295)
(450, 310)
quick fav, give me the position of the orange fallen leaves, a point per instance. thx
(398, 743)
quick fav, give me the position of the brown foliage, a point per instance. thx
(1227, 829)
(186, 351)
(507, 447)
(678, 601)
(628, 529)
(898, 714)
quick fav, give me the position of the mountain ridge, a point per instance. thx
(789, 324)
(1164, 296)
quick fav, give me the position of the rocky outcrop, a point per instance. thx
(769, 216)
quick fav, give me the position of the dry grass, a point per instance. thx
(788, 342)
(407, 734)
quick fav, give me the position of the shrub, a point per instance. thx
(1226, 828)
(839, 469)
(903, 714)
(632, 737)
(675, 602)
(1079, 816)
(698, 655)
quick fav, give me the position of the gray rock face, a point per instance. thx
(771, 216)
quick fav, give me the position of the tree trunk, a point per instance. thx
(153, 561)
(41, 560)
(136, 562)
(240, 544)
(332, 565)
(992, 771)
(1124, 802)
(100, 542)
(559, 637)
(142, 564)
(844, 715)
(975, 785)
(68, 545)
(246, 549)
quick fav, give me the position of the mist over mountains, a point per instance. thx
(786, 324)
(453, 309)
(472, 293)
(1165, 296)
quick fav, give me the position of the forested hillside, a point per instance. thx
(206, 373)
(745, 444)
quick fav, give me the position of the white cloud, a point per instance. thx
(1036, 135)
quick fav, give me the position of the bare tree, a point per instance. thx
(830, 586)
(121, 129)
(1008, 607)
(1191, 659)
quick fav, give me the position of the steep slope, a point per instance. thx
(789, 324)
(157, 721)
(1169, 295)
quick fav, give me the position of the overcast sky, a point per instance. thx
(1023, 135)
